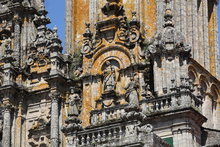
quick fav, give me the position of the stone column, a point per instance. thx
(17, 41)
(6, 137)
(54, 129)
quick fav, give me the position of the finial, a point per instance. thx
(134, 16)
(55, 29)
(168, 17)
(134, 22)
(88, 31)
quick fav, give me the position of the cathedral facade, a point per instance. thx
(135, 73)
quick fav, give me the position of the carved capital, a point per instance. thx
(55, 96)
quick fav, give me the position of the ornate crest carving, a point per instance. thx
(169, 42)
(39, 134)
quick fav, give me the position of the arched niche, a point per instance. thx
(118, 54)
(216, 106)
(204, 84)
(193, 74)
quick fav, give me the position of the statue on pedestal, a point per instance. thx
(131, 95)
(74, 101)
(110, 77)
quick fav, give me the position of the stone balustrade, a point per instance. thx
(149, 106)
(170, 102)
(102, 136)
(107, 114)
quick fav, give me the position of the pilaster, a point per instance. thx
(17, 41)
(6, 139)
(54, 118)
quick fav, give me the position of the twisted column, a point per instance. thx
(54, 130)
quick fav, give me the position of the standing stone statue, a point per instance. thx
(131, 95)
(6, 45)
(109, 81)
(74, 100)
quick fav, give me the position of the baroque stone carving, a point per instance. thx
(87, 41)
(123, 29)
(39, 133)
(134, 29)
(169, 41)
(74, 104)
(110, 77)
(73, 123)
(113, 7)
(132, 96)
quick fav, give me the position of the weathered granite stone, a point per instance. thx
(139, 74)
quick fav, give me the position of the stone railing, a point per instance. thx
(107, 114)
(100, 136)
(156, 104)
(170, 102)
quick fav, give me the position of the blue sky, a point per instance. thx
(56, 9)
(56, 13)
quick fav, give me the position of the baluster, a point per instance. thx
(88, 139)
(167, 103)
(118, 114)
(104, 136)
(121, 113)
(115, 132)
(99, 136)
(103, 116)
(111, 115)
(109, 134)
(161, 105)
(115, 114)
(157, 106)
(83, 140)
(78, 141)
(120, 132)
(93, 138)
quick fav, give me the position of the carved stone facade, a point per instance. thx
(130, 77)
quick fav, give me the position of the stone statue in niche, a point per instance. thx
(6, 45)
(131, 95)
(74, 104)
(110, 77)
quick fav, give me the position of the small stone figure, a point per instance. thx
(6, 45)
(74, 104)
(132, 95)
(149, 93)
(109, 81)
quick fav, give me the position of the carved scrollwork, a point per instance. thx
(134, 29)
(123, 29)
(40, 126)
(87, 41)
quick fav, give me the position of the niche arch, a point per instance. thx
(117, 53)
